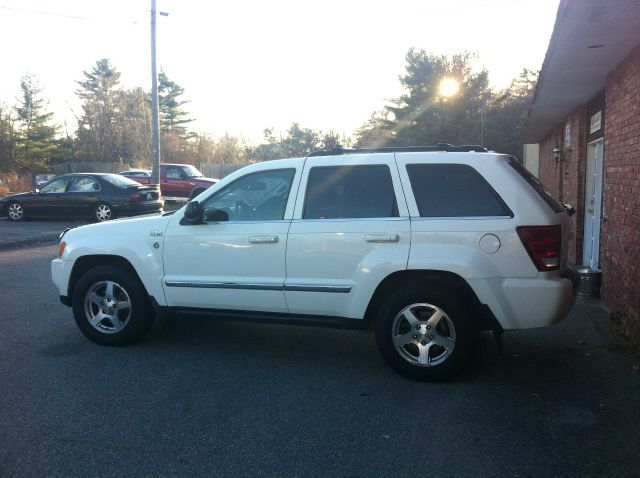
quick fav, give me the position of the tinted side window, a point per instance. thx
(535, 183)
(350, 192)
(84, 185)
(453, 190)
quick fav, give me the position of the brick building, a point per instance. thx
(585, 119)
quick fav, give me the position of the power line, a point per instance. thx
(471, 6)
(60, 15)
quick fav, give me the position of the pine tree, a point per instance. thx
(172, 117)
(97, 133)
(423, 116)
(8, 138)
(36, 139)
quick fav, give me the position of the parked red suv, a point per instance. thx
(176, 180)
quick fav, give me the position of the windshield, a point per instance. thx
(120, 181)
(192, 172)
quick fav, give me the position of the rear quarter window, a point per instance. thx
(454, 190)
(537, 186)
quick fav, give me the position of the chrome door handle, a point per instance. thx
(382, 237)
(263, 239)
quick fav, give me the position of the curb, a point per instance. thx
(44, 238)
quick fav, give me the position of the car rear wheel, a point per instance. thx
(424, 332)
(15, 211)
(103, 212)
(111, 307)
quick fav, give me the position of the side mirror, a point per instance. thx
(193, 212)
(217, 215)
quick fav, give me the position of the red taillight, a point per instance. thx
(135, 198)
(544, 245)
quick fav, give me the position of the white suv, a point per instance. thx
(426, 245)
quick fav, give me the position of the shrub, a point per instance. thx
(14, 183)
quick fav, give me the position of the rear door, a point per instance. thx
(350, 230)
(81, 196)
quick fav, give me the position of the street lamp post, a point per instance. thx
(155, 147)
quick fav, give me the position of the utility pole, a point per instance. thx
(155, 147)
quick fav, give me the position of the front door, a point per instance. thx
(593, 204)
(51, 200)
(235, 258)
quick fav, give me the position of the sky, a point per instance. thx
(247, 65)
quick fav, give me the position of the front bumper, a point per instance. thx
(60, 273)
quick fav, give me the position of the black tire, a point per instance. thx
(438, 342)
(102, 212)
(196, 192)
(15, 211)
(114, 323)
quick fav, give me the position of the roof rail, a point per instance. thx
(339, 150)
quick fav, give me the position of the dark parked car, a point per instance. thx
(95, 195)
(143, 176)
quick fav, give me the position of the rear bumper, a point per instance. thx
(140, 208)
(525, 303)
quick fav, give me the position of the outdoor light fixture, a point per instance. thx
(557, 154)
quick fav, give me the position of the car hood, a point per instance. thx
(121, 229)
(207, 181)
(18, 196)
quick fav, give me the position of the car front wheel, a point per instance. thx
(111, 307)
(15, 211)
(424, 332)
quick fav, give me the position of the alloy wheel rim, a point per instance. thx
(423, 335)
(15, 211)
(103, 213)
(107, 307)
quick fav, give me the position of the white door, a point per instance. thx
(593, 205)
(235, 258)
(350, 230)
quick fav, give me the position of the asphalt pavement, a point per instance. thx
(26, 233)
(212, 398)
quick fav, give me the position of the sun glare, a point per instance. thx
(448, 87)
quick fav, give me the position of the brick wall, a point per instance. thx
(620, 235)
(565, 178)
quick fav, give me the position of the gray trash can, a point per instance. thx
(589, 282)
